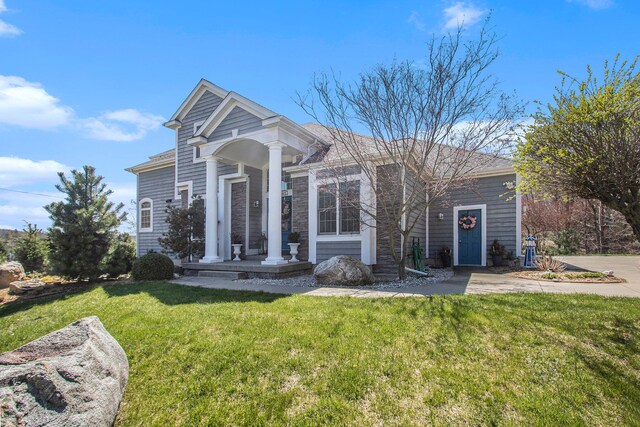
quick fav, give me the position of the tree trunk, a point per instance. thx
(633, 219)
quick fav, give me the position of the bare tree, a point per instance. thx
(430, 128)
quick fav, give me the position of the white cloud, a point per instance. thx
(121, 125)
(595, 4)
(18, 208)
(462, 13)
(27, 104)
(6, 29)
(416, 21)
(15, 171)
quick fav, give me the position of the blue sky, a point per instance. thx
(86, 82)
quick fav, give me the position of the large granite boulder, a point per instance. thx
(10, 272)
(71, 377)
(343, 270)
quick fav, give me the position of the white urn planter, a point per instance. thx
(237, 248)
(294, 251)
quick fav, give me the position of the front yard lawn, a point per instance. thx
(208, 357)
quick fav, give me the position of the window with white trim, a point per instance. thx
(146, 215)
(338, 208)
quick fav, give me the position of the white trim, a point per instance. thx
(231, 101)
(313, 217)
(484, 223)
(224, 210)
(426, 237)
(518, 251)
(338, 237)
(175, 157)
(196, 126)
(367, 224)
(150, 167)
(198, 159)
(201, 88)
(264, 203)
(300, 174)
(150, 228)
(185, 185)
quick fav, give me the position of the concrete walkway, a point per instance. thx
(464, 282)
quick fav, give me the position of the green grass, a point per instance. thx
(205, 357)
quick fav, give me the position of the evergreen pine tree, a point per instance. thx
(31, 249)
(83, 225)
(185, 236)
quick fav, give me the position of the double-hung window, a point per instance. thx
(146, 215)
(338, 208)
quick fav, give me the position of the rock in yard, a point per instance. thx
(343, 271)
(28, 286)
(71, 377)
(608, 273)
(10, 272)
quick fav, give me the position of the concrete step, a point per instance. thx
(233, 275)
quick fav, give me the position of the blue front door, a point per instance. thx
(470, 237)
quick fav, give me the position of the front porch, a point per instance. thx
(249, 202)
(252, 268)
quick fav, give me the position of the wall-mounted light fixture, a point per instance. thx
(256, 203)
(440, 216)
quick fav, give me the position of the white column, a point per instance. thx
(274, 229)
(211, 218)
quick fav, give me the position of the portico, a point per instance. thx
(278, 142)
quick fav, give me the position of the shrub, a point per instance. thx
(568, 241)
(550, 276)
(294, 237)
(31, 250)
(152, 266)
(548, 263)
(121, 255)
(586, 275)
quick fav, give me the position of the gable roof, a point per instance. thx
(480, 164)
(157, 161)
(200, 89)
(230, 101)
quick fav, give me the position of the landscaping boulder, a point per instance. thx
(71, 377)
(343, 271)
(10, 272)
(34, 286)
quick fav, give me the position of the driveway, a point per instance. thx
(465, 282)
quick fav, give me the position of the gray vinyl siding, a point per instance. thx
(388, 201)
(255, 213)
(500, 217)
(187, 169)
(157, 185)
(238, 118)
(419, 231)
(326, 250)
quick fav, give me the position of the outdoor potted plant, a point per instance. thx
(294, 243)
(236, 242)
(497, 252)
(445, 256)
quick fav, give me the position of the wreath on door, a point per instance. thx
(468, 222)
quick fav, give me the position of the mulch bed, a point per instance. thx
(537, 275)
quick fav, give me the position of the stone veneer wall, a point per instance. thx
(239, 211)
(300, 211)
